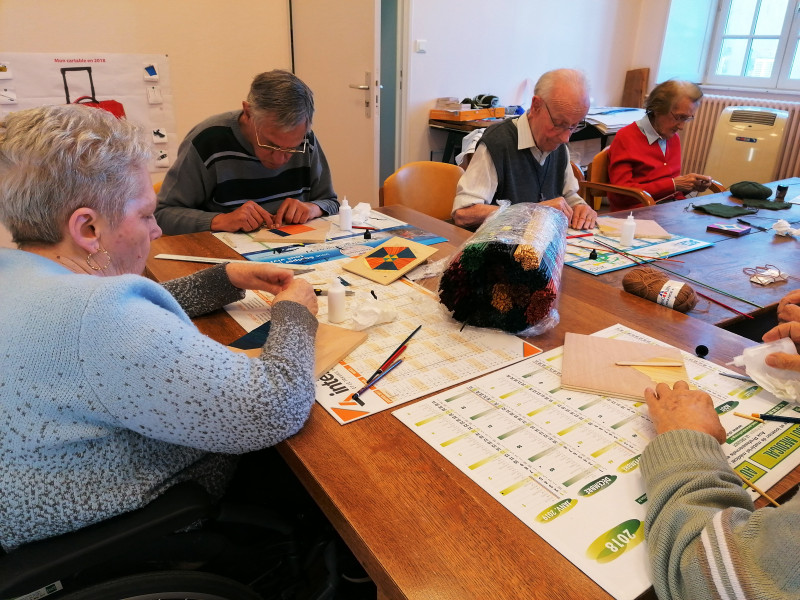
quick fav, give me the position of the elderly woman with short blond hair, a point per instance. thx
(108, 393)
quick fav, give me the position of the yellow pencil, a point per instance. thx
(744, 416)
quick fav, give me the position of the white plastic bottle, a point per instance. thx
(783, 383)
(336, 301)
(345, 216)
(628, 231)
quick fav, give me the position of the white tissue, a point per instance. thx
(781, 227)
(361, 212)
(368, 314)
(785, 389)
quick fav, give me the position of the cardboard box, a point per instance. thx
(468, 115)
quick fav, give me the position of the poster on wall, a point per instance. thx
(136, 86)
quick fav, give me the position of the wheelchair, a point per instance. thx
(240, 552)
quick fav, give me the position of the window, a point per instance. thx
(755, 44)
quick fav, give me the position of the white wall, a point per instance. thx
(214, 48)
(476, 47)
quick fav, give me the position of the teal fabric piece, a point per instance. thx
(724, 210)
(768, 204)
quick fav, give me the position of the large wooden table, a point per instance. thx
(421, 528)
(721, 266)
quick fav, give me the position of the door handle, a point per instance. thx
(365, 87)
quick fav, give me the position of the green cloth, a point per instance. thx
(769, 204)
(750, 189)
(725, 210)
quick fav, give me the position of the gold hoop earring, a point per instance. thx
(97, 266)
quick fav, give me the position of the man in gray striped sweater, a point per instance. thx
(261, 165)
(705, 538)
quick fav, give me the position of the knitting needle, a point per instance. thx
(768, 417)
(737, 376)
(743, 222)
(744, 416)
(724, 305)
(762, 492)
(705, 285)
(216, 261)
(628, 254)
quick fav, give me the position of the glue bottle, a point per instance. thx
(336, 301)
(628, 231)
(345, 216)
(783, 383)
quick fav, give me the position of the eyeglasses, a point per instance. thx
(561, 127)
(681, 118)
(301, 149)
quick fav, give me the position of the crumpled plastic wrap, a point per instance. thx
(508, 274)
(782, 227)
(368, 314)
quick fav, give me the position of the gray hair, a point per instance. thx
(665, 95)
(284, 97)
(57, 159)
(570, 78)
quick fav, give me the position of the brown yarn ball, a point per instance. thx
(648, 283)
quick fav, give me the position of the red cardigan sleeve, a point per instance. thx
(633, 162)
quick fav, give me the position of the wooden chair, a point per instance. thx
(426, 186)
(598, 183)
(157, 186)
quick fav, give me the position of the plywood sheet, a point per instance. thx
(390, 261)
(332, 345)
(589, 365)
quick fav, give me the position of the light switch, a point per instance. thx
(420, 46)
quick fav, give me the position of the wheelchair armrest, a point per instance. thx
(42, 562)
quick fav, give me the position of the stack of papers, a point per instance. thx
(610, 119)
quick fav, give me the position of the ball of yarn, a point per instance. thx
(650, 284)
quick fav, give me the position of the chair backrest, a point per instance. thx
(598, 171)
(157, 186)
(426, 186)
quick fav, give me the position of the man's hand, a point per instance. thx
(300, 291)
(692, 183)
(561, 204)
(248, 217)
(682, 408)
(471, 216)
(259, 276)
(583, 217)
(294, 211)
(782, 360)
(788, 309)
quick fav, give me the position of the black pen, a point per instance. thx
(743, 222)
(357, 395)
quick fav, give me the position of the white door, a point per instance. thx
(337, 53)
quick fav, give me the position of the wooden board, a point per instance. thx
(391, 260)
(635, 89)
(645, 228)
(313, 232)
(332, 345)
(589, 365)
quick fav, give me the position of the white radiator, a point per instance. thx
(697, 135)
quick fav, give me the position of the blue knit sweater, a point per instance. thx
(109, 395)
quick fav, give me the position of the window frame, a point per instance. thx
(787, 43)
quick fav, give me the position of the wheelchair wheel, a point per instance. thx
(167, 585)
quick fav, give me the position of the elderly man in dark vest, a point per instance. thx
(527, 160)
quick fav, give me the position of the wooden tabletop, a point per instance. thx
(421, 528)
(721, 266)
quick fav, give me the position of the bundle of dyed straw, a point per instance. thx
(507, 275)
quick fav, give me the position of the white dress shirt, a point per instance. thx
(479, 182)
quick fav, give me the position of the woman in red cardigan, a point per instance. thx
(647, 154)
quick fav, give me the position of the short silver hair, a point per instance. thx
(572, 78)
(663, 98)
(282, 96)
(57, 159)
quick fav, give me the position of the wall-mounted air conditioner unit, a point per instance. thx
(746, 144)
